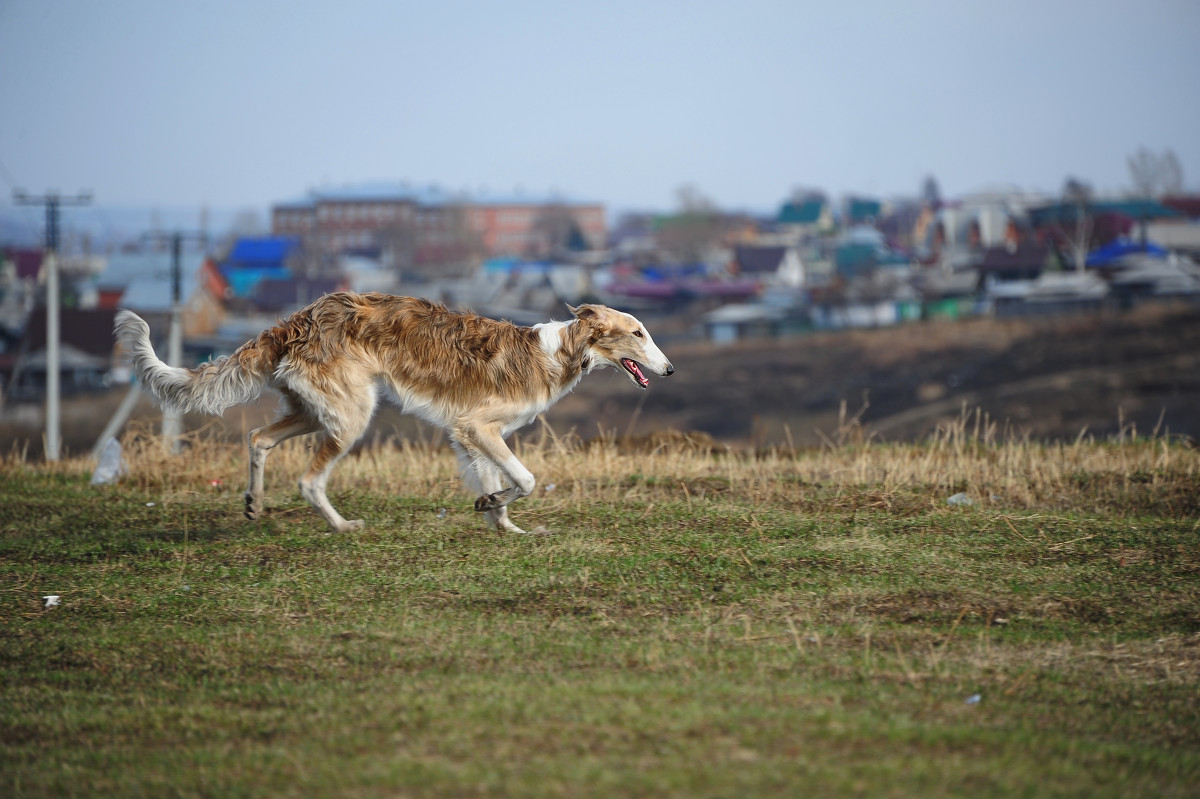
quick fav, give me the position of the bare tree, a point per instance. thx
(1172, 180)
(1075, 222)
(1155, 174)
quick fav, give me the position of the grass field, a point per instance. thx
(698, 623)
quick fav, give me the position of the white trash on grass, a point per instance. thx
(111, 466)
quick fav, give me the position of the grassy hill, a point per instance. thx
(815, 622)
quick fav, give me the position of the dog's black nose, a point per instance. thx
(670, 369)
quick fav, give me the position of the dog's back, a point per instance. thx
(421, 350)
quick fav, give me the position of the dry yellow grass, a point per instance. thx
(969, 456)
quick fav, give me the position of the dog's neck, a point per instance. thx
(568, 346)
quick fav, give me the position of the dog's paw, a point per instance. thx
(253, 508)
(488, 502)
(352, 526)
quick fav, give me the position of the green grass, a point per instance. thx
(696, 625)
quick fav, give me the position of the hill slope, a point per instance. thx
(1049, 378)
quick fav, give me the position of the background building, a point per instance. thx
(418, 228)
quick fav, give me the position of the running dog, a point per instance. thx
(476, 378)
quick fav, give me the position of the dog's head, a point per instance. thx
(619, 340)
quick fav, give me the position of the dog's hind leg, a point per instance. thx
(350, 424)
(480, 477)
(261, 441)
(312, 485)
(493, 461)
(491, 484)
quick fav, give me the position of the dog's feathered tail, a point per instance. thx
(210, 387)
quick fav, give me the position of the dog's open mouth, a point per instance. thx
(632, 367)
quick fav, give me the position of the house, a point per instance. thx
(142, 282)
(254, 259)
(1014, 261)
(85, 357)
(19, 274)
(1180, 233)
(28, 263)
(1148, 277)
(860, 211)
(780, 266)
(805, 217)
(863, 249)
(1016, 281)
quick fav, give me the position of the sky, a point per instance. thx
(246, 103)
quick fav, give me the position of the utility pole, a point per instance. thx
(172, 423)
(52, 200)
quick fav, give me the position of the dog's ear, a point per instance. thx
(596, 316)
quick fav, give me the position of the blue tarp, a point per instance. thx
(1119, 249)
(673, 271)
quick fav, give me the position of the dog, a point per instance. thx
(476, 378)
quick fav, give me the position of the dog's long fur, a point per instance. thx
(477, 378)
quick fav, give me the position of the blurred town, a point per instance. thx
(699, 272)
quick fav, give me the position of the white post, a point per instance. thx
(52, 356)
(172, 422)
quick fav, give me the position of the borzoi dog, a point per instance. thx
(476, 378)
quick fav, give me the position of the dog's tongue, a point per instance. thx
(636, 370)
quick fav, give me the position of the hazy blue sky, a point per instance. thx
(246, 103)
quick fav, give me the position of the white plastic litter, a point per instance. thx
(52, 600)
(111, 466)
(974, 699)
(960, 498)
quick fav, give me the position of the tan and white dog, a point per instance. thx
(476, 378)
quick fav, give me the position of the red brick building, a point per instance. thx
(421, 227)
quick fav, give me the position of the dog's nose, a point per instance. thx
(670, 369)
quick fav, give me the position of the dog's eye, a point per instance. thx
(637, 333)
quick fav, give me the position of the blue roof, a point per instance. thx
(1067, 212)
(804, 213)
(261, 252)
(253, 260)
